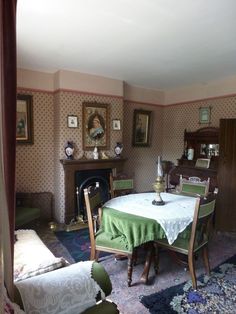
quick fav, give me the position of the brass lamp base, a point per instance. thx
(158, 187)
(161, 202)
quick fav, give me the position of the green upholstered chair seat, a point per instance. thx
(25, 215)
(181, 244)
(106, 240)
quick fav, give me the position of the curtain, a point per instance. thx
(7, 138)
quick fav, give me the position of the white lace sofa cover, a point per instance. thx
(68, 289)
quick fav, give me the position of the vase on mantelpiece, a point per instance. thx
(95, 153)
(118, 149)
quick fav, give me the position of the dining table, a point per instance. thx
(134, 220)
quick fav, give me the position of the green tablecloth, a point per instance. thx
(131, 230)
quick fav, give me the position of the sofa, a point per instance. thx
(48, 284)
(32, 208)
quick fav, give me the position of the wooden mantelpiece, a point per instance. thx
(72, 166)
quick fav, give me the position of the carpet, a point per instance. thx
(215, 294)
(77, 243)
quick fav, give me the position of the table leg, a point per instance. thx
(148, 261)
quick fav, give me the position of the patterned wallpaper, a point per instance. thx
(34, 163)
(38, 168)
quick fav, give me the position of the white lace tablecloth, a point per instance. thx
(174, 216)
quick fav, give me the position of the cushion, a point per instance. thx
(25, 215)
(32, 257)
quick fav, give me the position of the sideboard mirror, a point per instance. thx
(205, 144)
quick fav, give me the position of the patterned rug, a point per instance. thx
(77, 243)
(215, 294)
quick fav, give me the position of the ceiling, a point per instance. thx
(157, 44)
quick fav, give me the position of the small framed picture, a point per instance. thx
(24, 119)
(204, 115)
(116, 126)
(72, 121)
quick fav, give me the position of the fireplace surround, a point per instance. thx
(87, 167)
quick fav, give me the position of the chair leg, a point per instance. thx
(156, 258)
(135, 257)
(97, 255)
(130, 269)
(94, 255)
(206, 259)
(191, 264)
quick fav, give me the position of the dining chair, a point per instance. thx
(121, 184)
(100, 241)
(194, 186)
(194, 241)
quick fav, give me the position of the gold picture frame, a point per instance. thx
(96, 130)
(141, 128)
(24, 119)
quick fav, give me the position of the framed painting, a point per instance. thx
(141, 128)
(24, 119)
(95, 125)
(204, 115)
(203, 163)
(72, 121)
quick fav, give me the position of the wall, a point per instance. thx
(142, 160)
(34, 163)
(71, 102)
(37, 166)
(55, 96)
(179, 117)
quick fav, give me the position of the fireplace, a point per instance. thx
(85, 178)
(90, 168)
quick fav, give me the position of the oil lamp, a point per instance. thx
(159, 185)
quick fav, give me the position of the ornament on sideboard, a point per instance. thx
(118, 149)
(190, 154)
(69, 150)
(95, 153)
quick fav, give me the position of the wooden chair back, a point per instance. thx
(121, 184)
(194, 186)
(202, 221)
(93, 203)
(195, 240)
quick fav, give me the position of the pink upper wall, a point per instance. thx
(203, 91)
